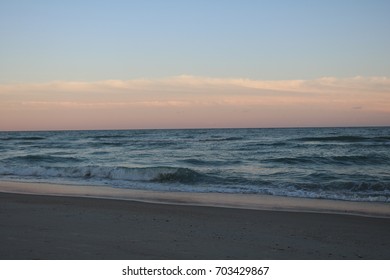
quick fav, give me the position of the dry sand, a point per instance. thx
(58, 227)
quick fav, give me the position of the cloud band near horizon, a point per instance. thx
(195, 102)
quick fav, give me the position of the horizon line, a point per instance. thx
(196, 128)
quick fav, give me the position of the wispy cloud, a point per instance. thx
(194, 82)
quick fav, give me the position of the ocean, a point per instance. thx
(351, 164)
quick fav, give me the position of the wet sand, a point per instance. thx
(60, 227)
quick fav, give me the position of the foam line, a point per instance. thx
(244, 201)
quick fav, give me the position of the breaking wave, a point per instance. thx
(151, 174)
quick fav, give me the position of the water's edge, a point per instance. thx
(239, 201)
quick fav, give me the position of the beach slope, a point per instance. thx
(56, 227)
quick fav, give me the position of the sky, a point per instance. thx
(193, 64)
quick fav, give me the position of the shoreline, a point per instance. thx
(223, 200)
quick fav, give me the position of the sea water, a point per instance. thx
(334, 163)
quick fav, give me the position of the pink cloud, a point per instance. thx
(188, 101)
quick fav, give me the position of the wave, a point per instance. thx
(189, 180)
(147, 174)
(106, 143)
(382, 138)
(344, 138)
(348, 191)
(32, 159)
(361, 160)
(98, 137)
(218, 139)
(291, 160)
(26, 138)
(374, 159)
(200, 162)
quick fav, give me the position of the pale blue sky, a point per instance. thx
(266, 40)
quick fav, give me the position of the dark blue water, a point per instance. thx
(335, 163)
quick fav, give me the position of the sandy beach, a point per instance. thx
(60, 227)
